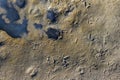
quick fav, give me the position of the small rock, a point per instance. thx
(91, 37)
(94, 66)
(21, 3)
(16, 30)
(55, 61)
(51, 15)
(32, 71)
(81, 71)
(48, 59)
(54, 33)
(38, 26)
(66, 57)
(87, 5)
(65, 63)
(1, 44)
(12, 14)
(3, 3)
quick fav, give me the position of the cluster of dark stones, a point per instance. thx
(16, 30)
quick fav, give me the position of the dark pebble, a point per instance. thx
(2, 22)
(51, 15)
(66, 57)
(53, 33)
(38, 26)
(12, 14)
(65, 63)
(2, 43)
(3, 3)
(21, 3)
(16, 30)
(33, 75)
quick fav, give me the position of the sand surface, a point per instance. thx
(60, 40)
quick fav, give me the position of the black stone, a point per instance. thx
(12, 14)
(38, 26)
(15, 30)
(2, 43)
(21, 3)
(51, 15)
(33, 75)
(3, 3)
(2, 22)
(66, 57)
(53, 33)
(65, 63)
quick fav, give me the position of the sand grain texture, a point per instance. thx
(86, 48)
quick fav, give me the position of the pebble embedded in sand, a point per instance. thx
(66, 57)
(51, 15)
(21, 3)
(53, 33)
(38, 26)
(32, 71)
